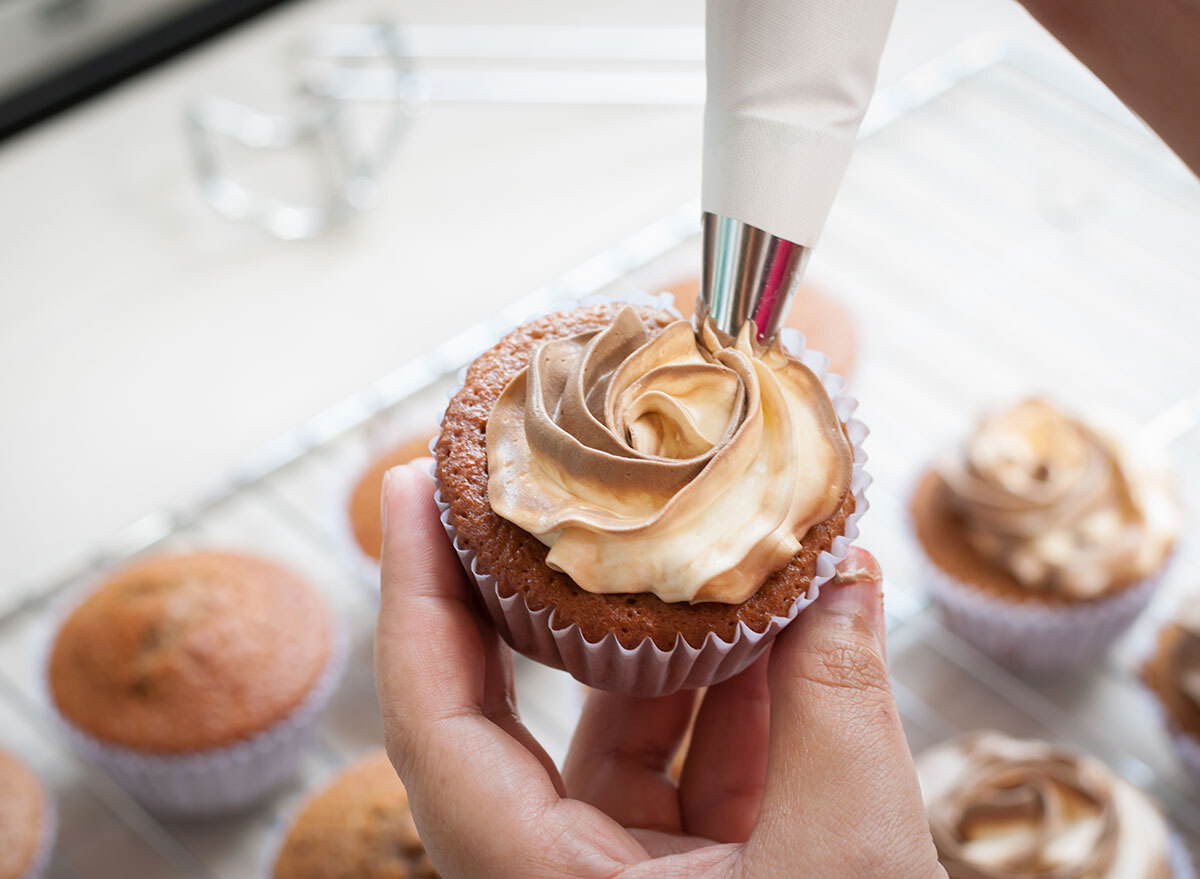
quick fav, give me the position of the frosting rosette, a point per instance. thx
(668, 463)
(1003, 808)
(1062, 505)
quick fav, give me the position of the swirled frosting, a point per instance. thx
(1062, 505)
(1003, 808)
(666, 464)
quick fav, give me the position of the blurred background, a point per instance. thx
(245, 246)
(148, 344)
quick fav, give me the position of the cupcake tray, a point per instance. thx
(1005, 227)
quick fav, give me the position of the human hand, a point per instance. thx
(797, 766)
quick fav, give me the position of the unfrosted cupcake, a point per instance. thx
(26, 821)
(1046, 535)
(1004, 808)
(362, 508)
(359, 827)
(643, 507)
(194, 679)
(1173, 675)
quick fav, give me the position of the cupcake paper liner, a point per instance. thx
(1033, 637)
(214, 780)
(647, 670)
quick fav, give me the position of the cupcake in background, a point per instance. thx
(641, 506)
(194, 680)
(826, 325)
(1172, 673)
(362, 507)
(1005, 808)
(1045, 535)
(359, 827)
(26, 821)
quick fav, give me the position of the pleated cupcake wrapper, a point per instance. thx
(214, 780)
(45, 847)
(648, 670)
(1034, 637)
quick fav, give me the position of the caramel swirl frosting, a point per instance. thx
(668, 464)
(1061, 505)
(1002, 808)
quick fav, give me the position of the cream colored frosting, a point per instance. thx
(1063, 505)
(1004, 808)
(666, 464)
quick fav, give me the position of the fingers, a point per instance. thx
(722, 782)
(840, 780)
(439, 677)
(620, 753)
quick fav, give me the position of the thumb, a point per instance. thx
(838, 765)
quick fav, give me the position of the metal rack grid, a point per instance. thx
(1000, 218)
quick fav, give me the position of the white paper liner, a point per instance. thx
(1034, 637)
(216, 780)
(45, 847)
(647, 670)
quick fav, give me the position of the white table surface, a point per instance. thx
(146, 344)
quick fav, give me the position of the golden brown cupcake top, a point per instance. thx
(359, 827)
(1004, 808)
(183, 653)
(22, 817)
(671, 463)
(363, 507)
(1062, 505)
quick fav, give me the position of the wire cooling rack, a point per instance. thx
(1005, 227)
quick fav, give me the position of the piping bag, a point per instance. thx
(788, 84)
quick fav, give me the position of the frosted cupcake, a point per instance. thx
(1045, 534)
(195, 679)
(1004, 808)
(1172, 674)
(642, 506)
(359, 827)
(26, 821)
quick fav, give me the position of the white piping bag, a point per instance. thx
(788, 84)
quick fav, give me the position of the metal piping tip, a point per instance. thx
(747, 274)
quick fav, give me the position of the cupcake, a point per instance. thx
(641, 506)
(26, 821)
(194, 679)
(1172, 673)
(1045, 535)
(826, 325)
(362, 508)
(359, 827)
(1004, 808)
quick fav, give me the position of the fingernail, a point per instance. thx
(862, 599)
